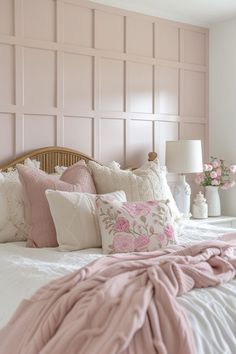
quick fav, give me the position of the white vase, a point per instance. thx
(213, 200)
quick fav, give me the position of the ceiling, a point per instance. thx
(197, 12)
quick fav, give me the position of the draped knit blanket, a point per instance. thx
(120, 304)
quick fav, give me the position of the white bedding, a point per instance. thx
(212, 311)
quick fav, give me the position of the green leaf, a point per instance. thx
(143, 218)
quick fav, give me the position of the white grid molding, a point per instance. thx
(110, 83)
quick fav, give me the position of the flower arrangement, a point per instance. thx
(216, 173)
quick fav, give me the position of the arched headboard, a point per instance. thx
(50, 157)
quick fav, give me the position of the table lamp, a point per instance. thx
(183, 156)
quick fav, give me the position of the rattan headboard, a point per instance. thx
(50, 157)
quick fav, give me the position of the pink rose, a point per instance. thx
(215, 182)
(215, 163)
(213, 174)
(232, 168)
(141, 242)
(121, 224)
(123, 243)
(137, 209)
(169, 231)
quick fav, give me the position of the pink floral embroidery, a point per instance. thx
(139, 226)
(141, 242)
(169, 231)
(137, 209)
(123, 243)
(121, 224)
(161, 237)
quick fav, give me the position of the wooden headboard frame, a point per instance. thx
(50, 157)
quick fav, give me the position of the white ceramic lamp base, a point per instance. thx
(182, 193)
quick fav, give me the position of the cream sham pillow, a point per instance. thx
(143, 184)
(12, 212)
(75, 218)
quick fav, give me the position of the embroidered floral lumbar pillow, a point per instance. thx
(135, 226)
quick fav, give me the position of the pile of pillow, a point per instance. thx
(86, 206)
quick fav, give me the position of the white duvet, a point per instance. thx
(211, 311)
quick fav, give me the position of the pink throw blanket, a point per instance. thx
(120, 304)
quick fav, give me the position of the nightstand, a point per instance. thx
(225, 221)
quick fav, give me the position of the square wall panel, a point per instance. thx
(7, 74)
(167, 42)
(111, 85)
(109, 31)
(140, 37)
(39, 131)
(112, 140)
(165, 131)
(7, 137)
(78, 134)
(140, 142)
(193, 131)
(168, 90)
(39, 77)
(78, 82)
(140, 87)
(78, 25)
(192, 94)
(7, 17)
(40, 19)
(193, 47)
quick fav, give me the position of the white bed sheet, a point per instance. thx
(212, 311)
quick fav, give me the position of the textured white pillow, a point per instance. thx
(145, 183)
(12, 221)
(75, 218)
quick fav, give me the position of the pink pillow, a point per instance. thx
(79, 173)
(131, 226)
(41, 230)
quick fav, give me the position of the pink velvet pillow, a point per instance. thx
(41, 230)
(135, 226)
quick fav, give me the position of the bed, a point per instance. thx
(211, 312)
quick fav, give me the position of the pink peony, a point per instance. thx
(123, 243)
(213, 174)
(232, 168)
(215, 182)
(137, 209)
(121, 225)
(141, 242)
(169, 231)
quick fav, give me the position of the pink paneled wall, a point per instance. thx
(110, 83)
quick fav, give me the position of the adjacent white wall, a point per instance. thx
(222, 123)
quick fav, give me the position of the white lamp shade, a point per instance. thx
(184, 156)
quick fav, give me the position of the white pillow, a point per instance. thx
(12, 220)
(145, 183)
(75, 218)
